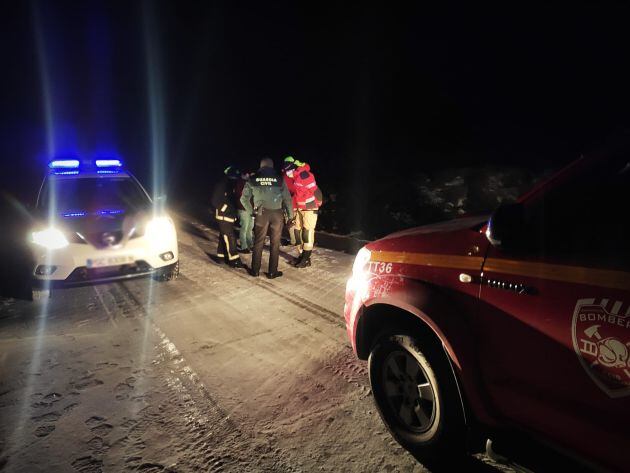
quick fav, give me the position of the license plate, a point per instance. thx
(109, 261)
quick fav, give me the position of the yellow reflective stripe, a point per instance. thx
(428, 259)
(221, 217)
(555, 272)
(224, 207)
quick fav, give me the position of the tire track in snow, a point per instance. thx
(203, 414)
(293, 298)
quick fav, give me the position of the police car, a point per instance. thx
(95, 222)
(515, 325)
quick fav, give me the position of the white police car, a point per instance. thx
(95, 222)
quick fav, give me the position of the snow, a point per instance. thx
(216, 371)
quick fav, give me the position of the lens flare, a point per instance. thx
(156, 106)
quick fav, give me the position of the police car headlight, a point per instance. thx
(160, 230)
(50, 238)
(362, 258)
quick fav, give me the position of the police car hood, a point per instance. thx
(102, 228)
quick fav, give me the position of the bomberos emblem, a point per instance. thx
(601, 339)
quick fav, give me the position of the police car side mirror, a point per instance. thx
(506, 227)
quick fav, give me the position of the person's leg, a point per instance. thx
(250, 232)
(309, 219)
(276, 222)
(242, 234)
(297, 231)
(291, 231)
(231, 251)
(260, 232)
(308, 233)
(221, 243)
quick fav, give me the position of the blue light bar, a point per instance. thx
(74, 214)
(110, 212)
(108, 163)
(64, 164)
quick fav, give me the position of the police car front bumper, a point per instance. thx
(79, 263)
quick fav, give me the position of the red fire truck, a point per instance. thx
(517, 323)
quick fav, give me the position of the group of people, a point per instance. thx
(263, 203)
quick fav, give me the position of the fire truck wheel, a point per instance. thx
(417, 397)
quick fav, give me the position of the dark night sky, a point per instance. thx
(363, 93)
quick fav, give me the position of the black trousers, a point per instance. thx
(227, 242)
(270, 221)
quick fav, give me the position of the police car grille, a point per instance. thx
(105, 239)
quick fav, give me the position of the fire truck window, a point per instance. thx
(584, 221)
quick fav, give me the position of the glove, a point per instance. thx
(291, 222)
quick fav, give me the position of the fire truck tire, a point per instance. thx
(417, 397)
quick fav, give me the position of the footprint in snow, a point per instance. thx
(44, 430)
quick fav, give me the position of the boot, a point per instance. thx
(305, 259)
(297, 260)
(236, 264)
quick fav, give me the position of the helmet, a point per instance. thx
(232, 172)
(288, 166)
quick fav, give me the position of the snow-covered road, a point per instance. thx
(216, 371)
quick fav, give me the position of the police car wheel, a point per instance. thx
(169, 274)
(417, 397)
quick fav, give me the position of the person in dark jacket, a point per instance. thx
(224, 203)
(245, 218)
(269, 194)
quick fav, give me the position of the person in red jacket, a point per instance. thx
(308, 199)
(288, 168)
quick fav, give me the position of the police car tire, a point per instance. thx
(170, 274)
(445, 440)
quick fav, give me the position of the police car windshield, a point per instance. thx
(93, 194)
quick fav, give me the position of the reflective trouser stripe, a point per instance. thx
(231, 257)
(309, 238)
(224, 207)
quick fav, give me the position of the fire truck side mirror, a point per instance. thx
(505, 227)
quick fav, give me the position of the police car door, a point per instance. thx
(555, 316)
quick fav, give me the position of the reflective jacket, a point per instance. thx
(307, 195)
(224, 200)
(268, 191)
(291, 186)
